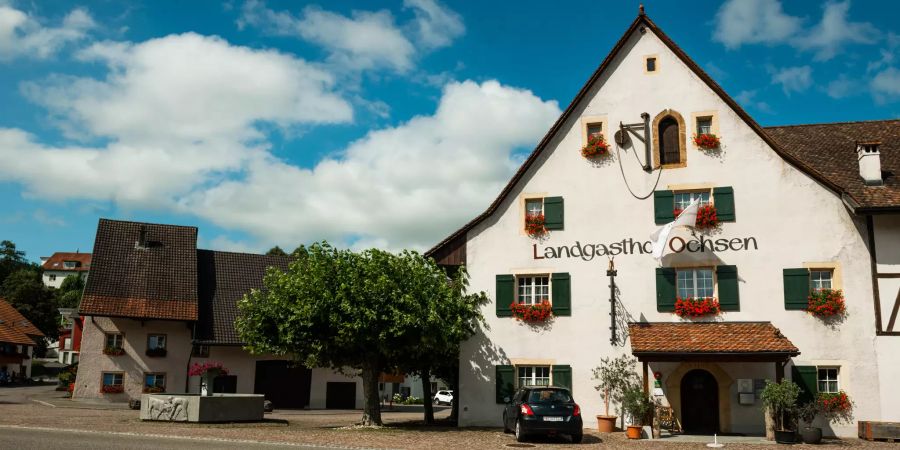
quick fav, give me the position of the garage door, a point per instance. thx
(284, 385)
(340, 395)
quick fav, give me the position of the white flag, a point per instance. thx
(687, 217)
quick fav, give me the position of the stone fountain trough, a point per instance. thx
(202, 408)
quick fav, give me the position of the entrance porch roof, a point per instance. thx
(709, 341)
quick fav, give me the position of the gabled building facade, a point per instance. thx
(801, 209)
(64, 264)
(18, 338)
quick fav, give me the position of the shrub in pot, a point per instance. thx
(614, 377)
(781, 401)
(638, 408)
(807, 413)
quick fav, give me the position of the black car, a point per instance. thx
(545, 410)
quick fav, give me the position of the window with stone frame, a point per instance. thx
(695, 282)
(828, 380)
(533, 289)
(114, 340)
(820, 279)
(533, 375)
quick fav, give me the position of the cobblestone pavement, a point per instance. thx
(403, 430)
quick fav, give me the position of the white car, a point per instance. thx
(443, 397)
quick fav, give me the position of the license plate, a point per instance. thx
(553, 419)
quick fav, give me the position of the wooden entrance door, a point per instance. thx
(699, 403)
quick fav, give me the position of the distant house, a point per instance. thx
(69, 343)
(62, 264)
(18, 337)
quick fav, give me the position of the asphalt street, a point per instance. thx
(44, 439)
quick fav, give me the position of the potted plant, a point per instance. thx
(538, 312)
(706, 217)
(836, 407)
(534, 225)
(614, 377)
(596, 146)
(706, 141)
(696, 307)
(807, 413)
(638, 407)
(826, 303)
(781, 400)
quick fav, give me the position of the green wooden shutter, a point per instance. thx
(729, 299)
(663, 206)
(562, 376)
(796, 289)
(506, 290)
(561, 287)
(665, 289)
(723, 199)
(506, 382)
(553, 213)
(805, 377)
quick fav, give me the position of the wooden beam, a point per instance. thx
(646, 385)
(890, 326)
(873, 267)
(714, 357)
(888, 275)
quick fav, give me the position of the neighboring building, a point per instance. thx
(155, 304)
(69, 344)
(18, 338)
(62, 264)
(803, 208)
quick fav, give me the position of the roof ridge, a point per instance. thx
(243, 253)
(832, 123)
(104, 219)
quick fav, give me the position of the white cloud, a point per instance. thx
(22, 35)
(842, 87)
(792, 79)
(435, 25)
(885, 85)
(364, 41)
(747, 99)
(834, 31)
(741, 22)
(405, 186)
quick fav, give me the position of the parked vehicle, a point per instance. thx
(544, 410)
(443, 397)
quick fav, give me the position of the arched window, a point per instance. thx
(669, 146)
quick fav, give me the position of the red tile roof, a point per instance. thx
(708, 337)
(15, 328)
(143, 271)
(56, 262)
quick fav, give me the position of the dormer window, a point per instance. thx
(70, 264)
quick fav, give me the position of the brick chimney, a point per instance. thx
(869, 162)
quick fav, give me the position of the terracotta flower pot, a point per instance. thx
(633, 432)
(606, 424)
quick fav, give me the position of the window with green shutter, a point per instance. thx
(561, 293)
(505, 378)
(562, 376)
(727, 276)
(665, 289)
(663, 206)
(505, 294)
(553, 213)
(796, 289)
(723, 199)
(805, 377)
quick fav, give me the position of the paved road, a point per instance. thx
(45, 439)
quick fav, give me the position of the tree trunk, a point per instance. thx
(770, 424)
(426, 396)
(372, 407)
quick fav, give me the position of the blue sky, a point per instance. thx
(364, 123)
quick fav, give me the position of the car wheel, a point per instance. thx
(520, 434)
(577, 437)
(506, 429)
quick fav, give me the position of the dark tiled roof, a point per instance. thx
(56, 262)
(223, 279)
(14, 327)
(830, 149)
(151, 279)
(708, 337)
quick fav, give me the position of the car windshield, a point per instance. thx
(549, 396)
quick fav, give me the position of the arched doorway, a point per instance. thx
(699, 403)
(669, 148)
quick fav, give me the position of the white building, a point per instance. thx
(63, 264)
(802, 208)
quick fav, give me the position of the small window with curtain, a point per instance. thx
(533, 289)
(113, 382)
(704, 125)
(820, 279)
(114, 341)
(594, 130)
(695, 283)
(828, 380)
(534, 206)
(534, 376)
(156, 341)
(683, 199)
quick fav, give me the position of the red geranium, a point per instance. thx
(706, 141)
(826, 302)
(836, 406)
(706, 217)
(113, 389)
(696, 307)
(534, 224)
(538, 312)
(199, 369)
(596, 146)
(113, 351)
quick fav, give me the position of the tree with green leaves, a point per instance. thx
(25, 291)
(358, 313)
(11, 259)
(69, 293)
(276, 251)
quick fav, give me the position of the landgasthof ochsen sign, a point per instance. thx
(629, 246)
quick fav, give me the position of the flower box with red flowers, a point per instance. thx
(113, 389)
(706, 217)
(595, 147)
(534, 225)
(826, 303)
(214, 368)
(696, 307)
(706, 141)
(835, 406)
(538, 312)
(153, 389)
(113, 351)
